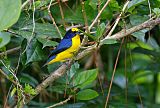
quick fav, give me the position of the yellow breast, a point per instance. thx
(75, 44)
(62, 56)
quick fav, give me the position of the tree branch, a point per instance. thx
(123, 33)
(62, 69)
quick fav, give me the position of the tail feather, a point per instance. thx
(50, 59)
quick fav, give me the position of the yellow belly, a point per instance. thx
(68, 53)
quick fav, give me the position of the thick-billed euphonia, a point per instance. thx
(67, 47)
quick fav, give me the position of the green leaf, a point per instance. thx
(4, 39)
(52, 67)
(84, 78)
(42, 30)
(158, 89)
(29, 90)
(73, 70)
(86, 94)
(100, 30)
(153, 43)
(39, 4)
(120, 81)
(141, 61)
(1, 40)
(156, 11)
(140, 44)
(71, 16)
(114, 6)
(10, 12)
(139, 35)
(25, 34)
(109, 41)
(143, 76)
(26, 78)
(87, 34)
(74, 15)
(107, 14)
(13, 91)
(34, 52)
(137, 19)
(47, 42)
(132, 4)
(93, 4)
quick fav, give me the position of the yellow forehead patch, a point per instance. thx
(74, 29)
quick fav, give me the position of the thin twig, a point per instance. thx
(53, 21)
(11, 71)
(6, 76)
(10, 51)
(100, 12)
(62, 14)
(118, 18)
(98, 7)
(115, 66)
(150, 15)
(61, 103)
(150, 10)
(17, 81)
(25, 3)
(85, 39)
(19, 60)
(86, 52)
(125, 73)
(97, 60)
(84, 16)
(33, 29)
(46, 7)
(134, 74)
(6, 100)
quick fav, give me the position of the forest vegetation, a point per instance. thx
(117, 65)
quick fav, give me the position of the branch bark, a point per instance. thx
(123, 33)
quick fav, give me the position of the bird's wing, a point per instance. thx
(63, 45)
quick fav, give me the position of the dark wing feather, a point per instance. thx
(63, 45)
(51, 58)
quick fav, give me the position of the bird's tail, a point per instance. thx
(49, 60)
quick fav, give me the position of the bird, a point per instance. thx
(67, 47)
